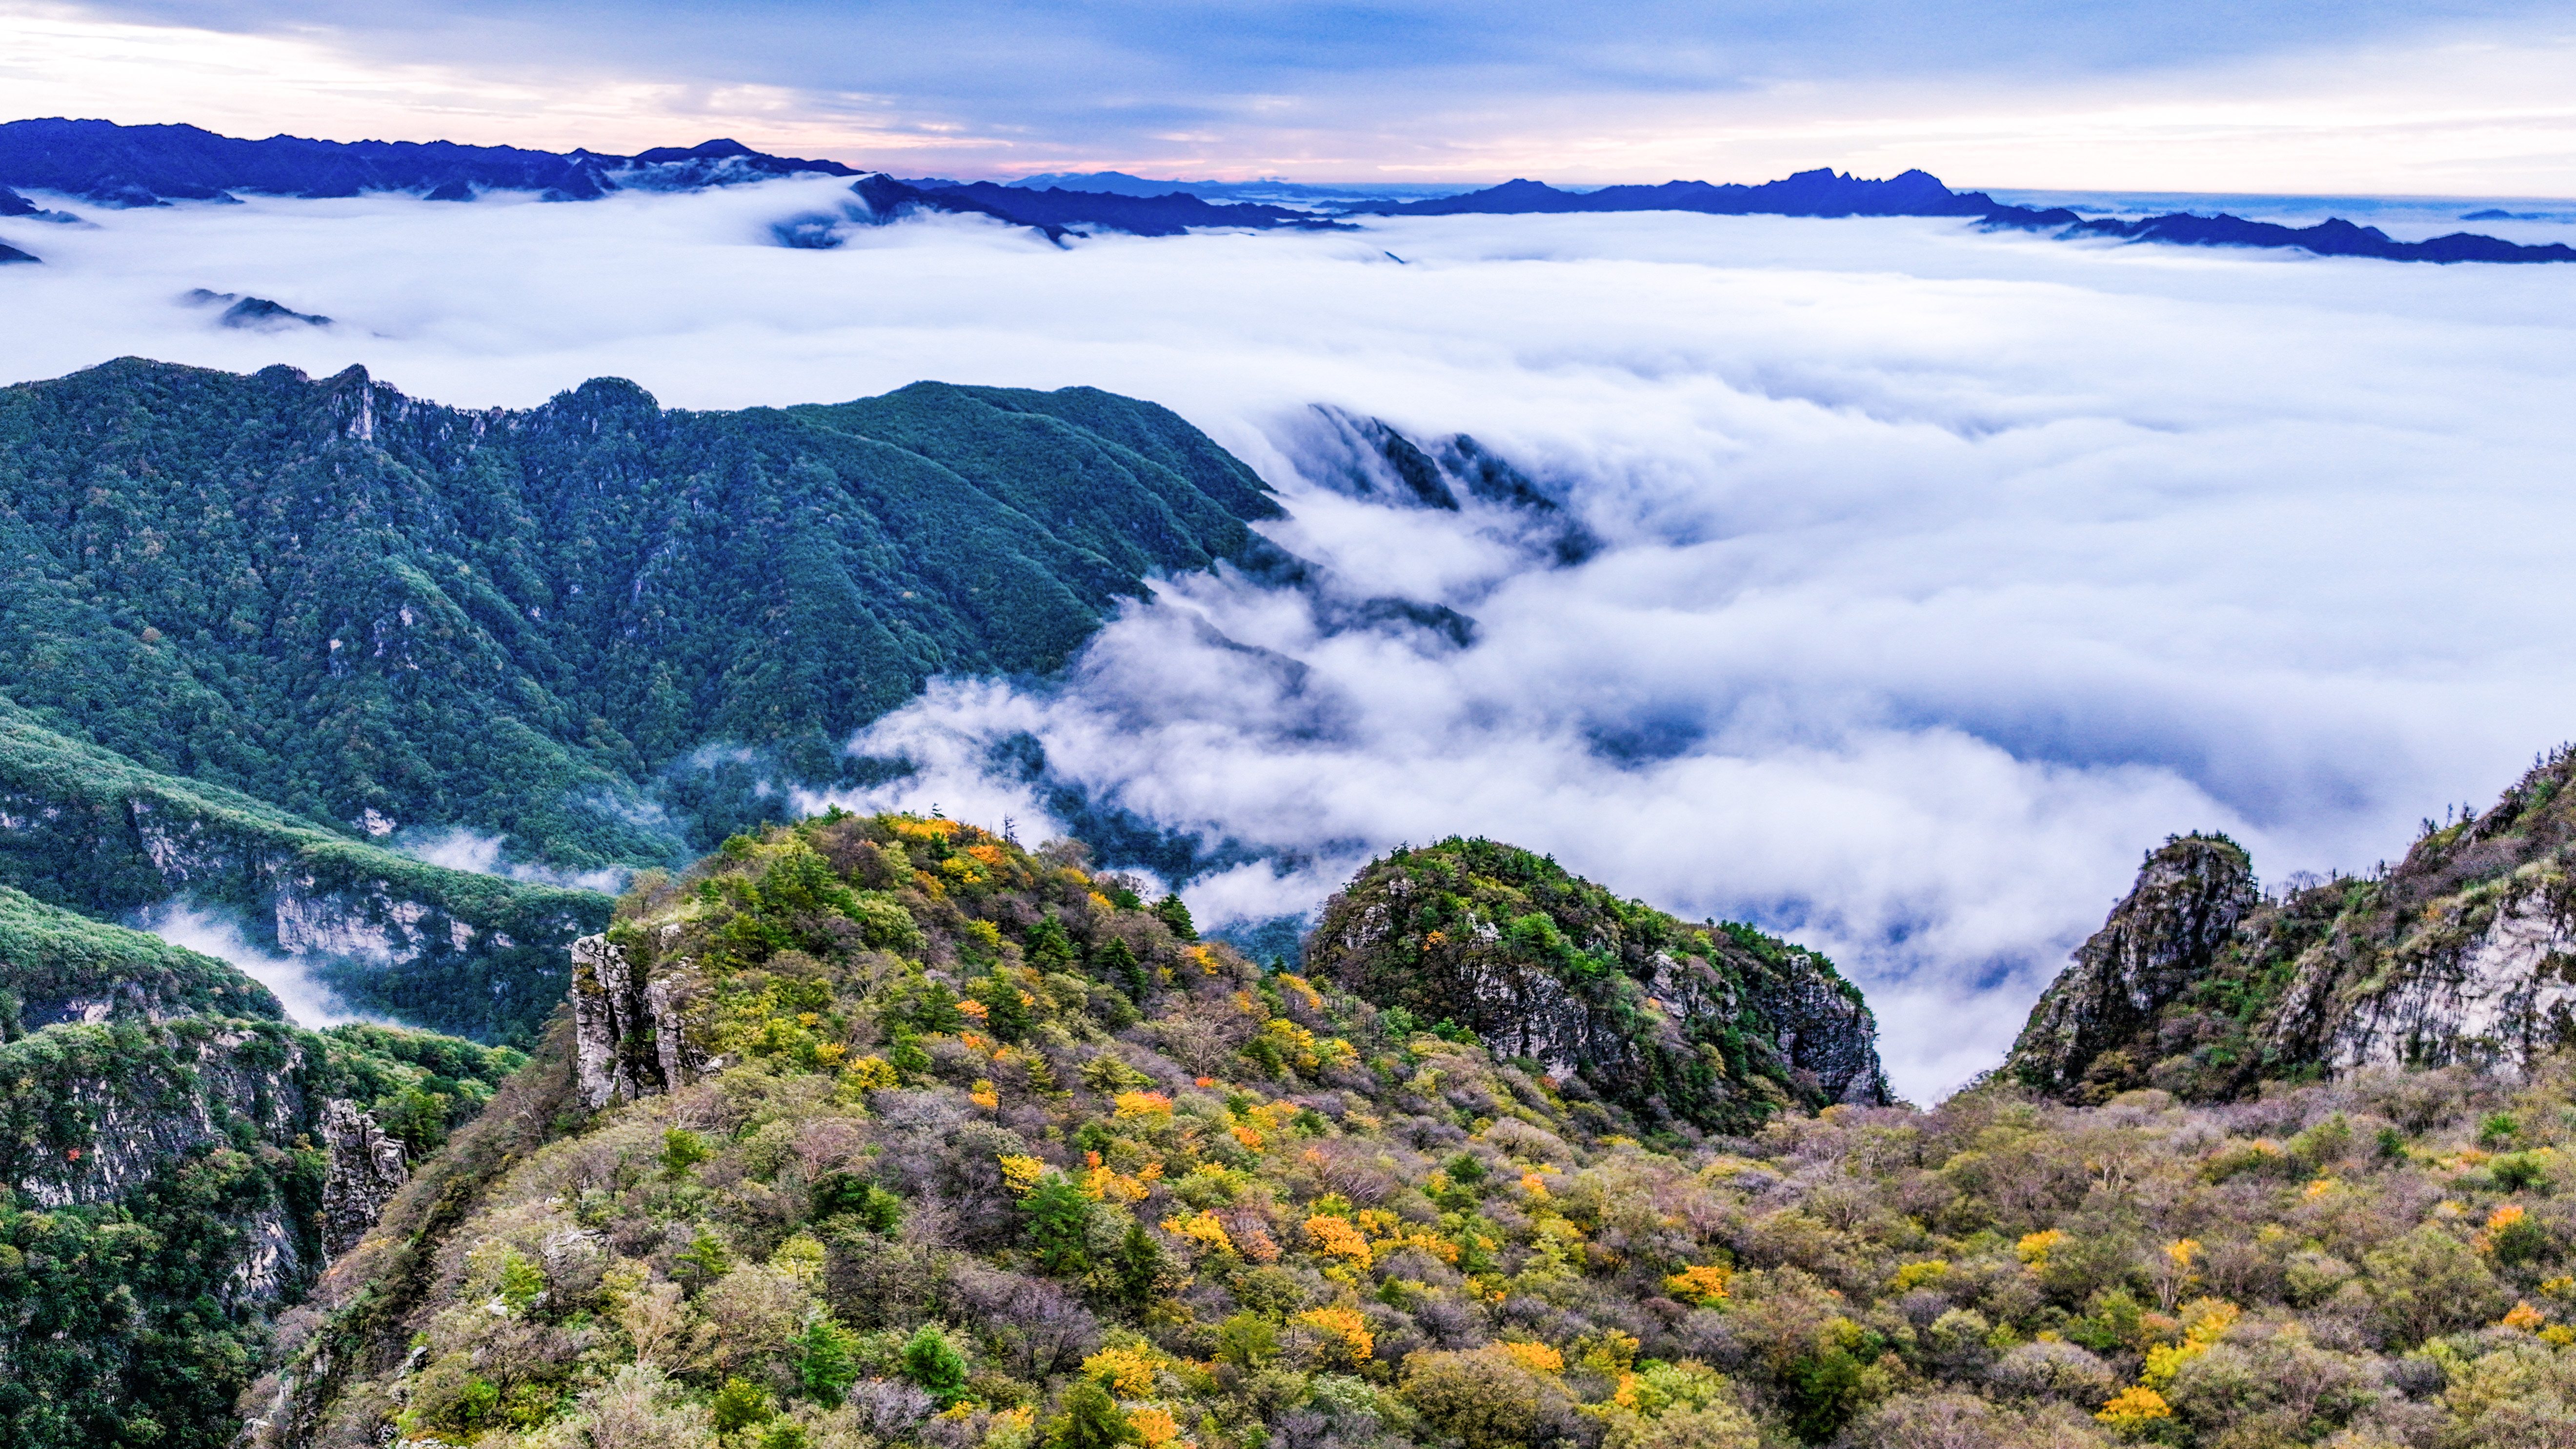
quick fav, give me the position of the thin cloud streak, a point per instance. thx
(308, 1002)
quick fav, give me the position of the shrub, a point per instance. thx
(1087, 1418)
(1482, 1399)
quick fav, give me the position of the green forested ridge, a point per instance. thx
(167, 1177)
(85, 828)
(992, 1156)
(51, 958)
(341, 600)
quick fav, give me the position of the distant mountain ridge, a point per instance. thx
(126, 166)
(1824, 192)
(115, 165)
(1052, 211)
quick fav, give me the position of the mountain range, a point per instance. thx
(1916, 193)
(115, 165)
(144, 165)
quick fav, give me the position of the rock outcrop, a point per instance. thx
(1710, 1026)
(367, 1169)
(2464, 952)
(629, 1037)
(2189, 898)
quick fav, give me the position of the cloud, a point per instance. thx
(1936, 575)
(308, 1002)
(458, 848)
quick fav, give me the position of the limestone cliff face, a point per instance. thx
(91, 830)
(2465, 952)
(629, 1037)
(1710, 1026)
(101, 1111)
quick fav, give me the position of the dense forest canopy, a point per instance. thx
(557, 625)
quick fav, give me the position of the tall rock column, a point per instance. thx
(367, 1169)
(628, 1031)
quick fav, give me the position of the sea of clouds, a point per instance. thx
(1938, 574)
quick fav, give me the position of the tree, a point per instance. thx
(741, 1404)
(1049, 947)
(1142, 1267)
(683, 1149)
(1006, 1011)
(1059, 1226)
(1089, 1419)
(1114, 961)
(825, 1363)
(1174, 912)
(934, 1365)
(704, 1260)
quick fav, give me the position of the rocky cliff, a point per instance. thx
(631, 1037)
(1713, 1025)
(180, 1165)
(2463, 952)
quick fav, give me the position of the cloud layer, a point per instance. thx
(1939, 575)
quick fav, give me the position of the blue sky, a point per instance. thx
(2462, 98)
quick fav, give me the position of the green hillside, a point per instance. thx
(56, 966)
(959, 1146)
(375, 611)
(92, 831)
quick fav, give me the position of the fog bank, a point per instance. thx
(1935, 576)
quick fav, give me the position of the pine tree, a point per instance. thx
(1059, 1226)
(1114, 961)
(934, 1365)
(1049, 947)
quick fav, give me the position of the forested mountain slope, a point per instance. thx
(84, 828)
(887, 1131)
(181, 1164)
(381, 612)
(2201, 984)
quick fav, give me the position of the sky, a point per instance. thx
(2457, 97)
(1939, 574)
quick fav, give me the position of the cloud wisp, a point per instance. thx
(458, 848)
(308, 1002)
(1929, 577)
